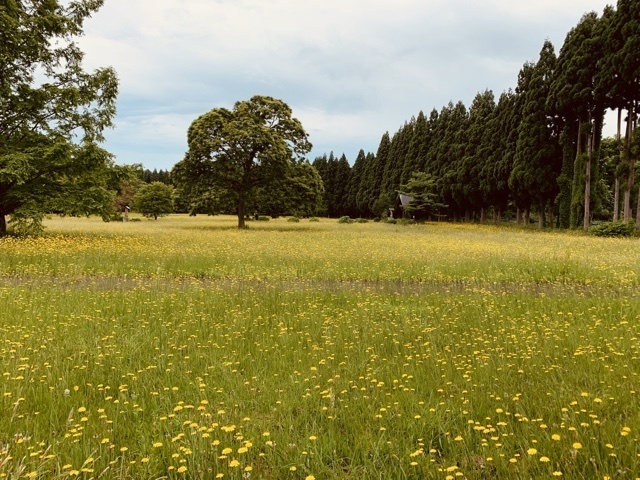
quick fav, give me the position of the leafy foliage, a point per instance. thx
(614, 229)
(52, 114)
(233, 152)
(154, 200)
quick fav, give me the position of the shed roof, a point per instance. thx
(405, 199)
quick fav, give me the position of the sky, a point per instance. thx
(351, 70)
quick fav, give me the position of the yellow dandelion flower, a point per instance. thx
(243, 450)
(577, 445)
(182, 469)
(234, 463)
(557, 473)
(532, 451)
(310, 477)
(124, 449)
(293, 468)
(555, 437)
(248, 468)
(544, 459)
(226, 451)
(313, 437)
(157, 444)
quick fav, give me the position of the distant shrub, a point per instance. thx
(377, 219)
(345, 219)
(393, 221)
(361, 220)
(293, 219)
(263, 218)
(406, 221)
(314, 219)
(614, 229)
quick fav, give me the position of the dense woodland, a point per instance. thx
(534, 151)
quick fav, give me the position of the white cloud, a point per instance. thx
(350, 69)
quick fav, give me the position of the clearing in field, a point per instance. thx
(185, 348)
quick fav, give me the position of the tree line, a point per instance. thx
(537, 149)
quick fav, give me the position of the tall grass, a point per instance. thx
(183, 348)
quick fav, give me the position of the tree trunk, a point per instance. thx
(638, 212)
(630, 160)
(574, 220)
(541, 219)
(482, 214)
(616, 201)
(495, 216)
(518, 216)
(587, 182)
(3, 225)
(616, 192)
(241, 212)
(526, 217)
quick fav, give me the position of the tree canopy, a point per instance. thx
(536, 152)
(52, 114)
(232, 152)
(154, 200)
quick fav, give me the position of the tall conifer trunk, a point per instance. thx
(631, 164)
(587, 181)
(575, 184)
(616, 193)
(541, 221)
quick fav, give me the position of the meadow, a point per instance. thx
(185, 348)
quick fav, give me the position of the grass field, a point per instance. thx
(184, 348)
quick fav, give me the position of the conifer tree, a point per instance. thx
(536, 166)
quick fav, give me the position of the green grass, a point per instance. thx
(317, 349)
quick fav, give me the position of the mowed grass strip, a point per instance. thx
(181, 374)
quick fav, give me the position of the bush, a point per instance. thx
(293, 219)
(263, 218)
(314, 219)
(377, 219)
(393, 221)
(614, 229)
(361, 220)
(345, 219)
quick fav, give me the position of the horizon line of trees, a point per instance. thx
(537, 149)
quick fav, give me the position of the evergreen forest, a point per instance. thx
(534, 153)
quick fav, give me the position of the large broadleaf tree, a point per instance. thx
(233, 152)
(52, 113)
